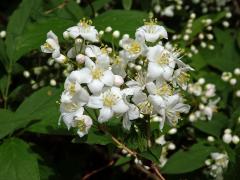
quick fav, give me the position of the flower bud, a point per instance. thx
(116, 34)
(108, 29)
(227, 131)
(26, 74)
(66, 35)
(233, 81)
(172, 131)
(210, 139)
(80, 58)
(53, 82)
(118, 80)
(227, 138)
(235, 139)
(237, 71)
(171, 146)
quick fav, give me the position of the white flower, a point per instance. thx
(169, 108)
(85, 30)
(83, 123)
(160, 88)
(168, 11)
(161, 64)
(109, 102)
(95, 75)
(181, 78)
(119, 65)
(101, 55)
(132, 48)
(152, 32)
(220, 159)
(210, 108)
(51, 45)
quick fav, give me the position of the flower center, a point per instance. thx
(81, 125)
(164, 90)
(70, 107)
(48, 46)
(163, 59)
(85, 23)
(109, 99)
(97, 73)
(145, 107)
(183, 78)
(72, 88)
(117, 60)
(134, 48)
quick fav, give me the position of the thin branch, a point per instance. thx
(60, 6)
(88, 175)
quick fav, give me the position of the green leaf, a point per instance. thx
(189, 160)
(75, 10)
(10, 121)
(127, 4)
(16, 162)
(17, 25)
(122, 20)
(122, 160)
(214, 126)
(42, 106)
(95, 137)
(152, 154)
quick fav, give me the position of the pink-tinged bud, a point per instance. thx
(118, 80)
(80, 58)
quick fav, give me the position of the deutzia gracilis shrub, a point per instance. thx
(107, 81)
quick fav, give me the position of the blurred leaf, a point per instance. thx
(16, 162)
(17, 25)
(124, 21)
(198, 25)
(214, 126)
(226, 56)
(96, 5)
(127, 4)
(189, 160)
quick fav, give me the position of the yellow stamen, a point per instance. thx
(97, 73)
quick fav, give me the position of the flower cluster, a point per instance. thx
(105, 82)
(207, 97)
(217, 164)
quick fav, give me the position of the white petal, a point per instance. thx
(154, 70)
(154, 52)
(120, 107)
(139, 97)
(95, 102)
(108, 78)
(92, 51)
(51, 35)
(81, 76)
(133, 112)
(89, 63)
(167, 73)
(151, 88)
(95, 86)
(73, 32)
(105, 114)
(126, 122)
(157, 101)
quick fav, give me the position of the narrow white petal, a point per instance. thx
(154, 70)
(120, 107)
(105, 114)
